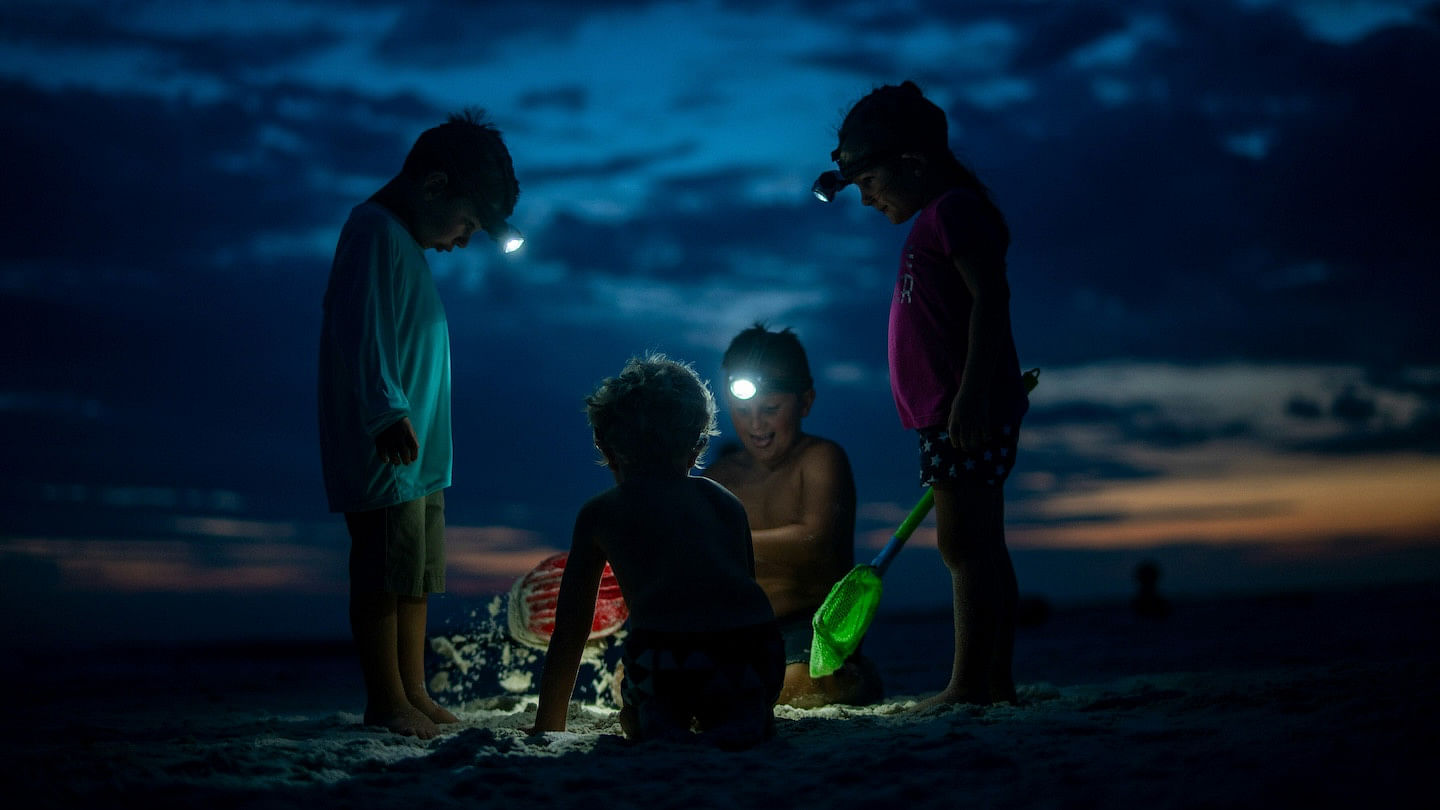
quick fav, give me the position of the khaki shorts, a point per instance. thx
(399, 549)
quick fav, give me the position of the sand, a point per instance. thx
(1298, 700)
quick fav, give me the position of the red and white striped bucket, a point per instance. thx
(531, 614)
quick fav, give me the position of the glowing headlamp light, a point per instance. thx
(506, 235)
(852, 165)
(744, 387)
(827, 185)
(747, 384)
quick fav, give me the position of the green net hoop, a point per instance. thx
(843, 618)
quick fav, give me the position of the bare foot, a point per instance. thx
(950, 697)
(406, 720)
(617, 682)
(855, 684)
(428, 707)
(629, 723)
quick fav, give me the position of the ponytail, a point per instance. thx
(961, 176)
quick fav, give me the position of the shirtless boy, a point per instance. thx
(799, 496)
(703, 648)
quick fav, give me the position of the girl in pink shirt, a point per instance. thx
(953, 366)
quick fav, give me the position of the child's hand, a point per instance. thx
(969, 425)
(398, 444)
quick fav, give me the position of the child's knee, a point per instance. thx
(961, 553)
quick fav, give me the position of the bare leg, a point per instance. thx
(374, 626)
(629, 723)
(1002, 679)
(411, 617)
(617, 684)
(856, 684)
(970, 528)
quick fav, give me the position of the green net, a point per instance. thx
(843, 618)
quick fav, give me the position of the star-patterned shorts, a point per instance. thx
(985, 467)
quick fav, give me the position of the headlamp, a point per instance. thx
(851, 164)
(743, 387)
(506, 235)
(748, 384)
(827, 185)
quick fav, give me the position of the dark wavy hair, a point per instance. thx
(775, 354)
(655, 414)
(472, 154)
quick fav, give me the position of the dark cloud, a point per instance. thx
(1056, 30)
(225, 54)
(214, 393)
(613, 166)
(1349, 406)
(1421, 434)
(1135, 226)
(1076, 471)
(1397, 377)
(708, 221)
(876, 65)
(573, 98)
(1085, 412)
(1302, 407)
(1368, 427)
(61, 25)
(175, 186)
(1144, 423)
(1431, 14)
(1367, 423)
(437, 33)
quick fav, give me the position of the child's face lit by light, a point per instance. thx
(768, 424)
(890, 191)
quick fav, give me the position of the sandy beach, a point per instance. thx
(1306, 699)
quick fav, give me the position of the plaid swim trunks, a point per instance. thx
(986, 466)
(725, 681)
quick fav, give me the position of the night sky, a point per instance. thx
(1224, 217)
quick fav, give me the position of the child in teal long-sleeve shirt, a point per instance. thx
(384, 396)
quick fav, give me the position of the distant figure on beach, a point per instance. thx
(953, 366)
(1148, 602)
(384, 393)
(799, 495)
(703, 646)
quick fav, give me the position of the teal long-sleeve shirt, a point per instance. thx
(384, 355)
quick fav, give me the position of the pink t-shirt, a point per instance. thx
(930, 313)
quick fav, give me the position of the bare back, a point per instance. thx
(681, 552)
(802, 519)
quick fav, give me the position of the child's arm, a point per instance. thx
(362, 309)
(827, 504)
(969, 424)
(574, 614)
